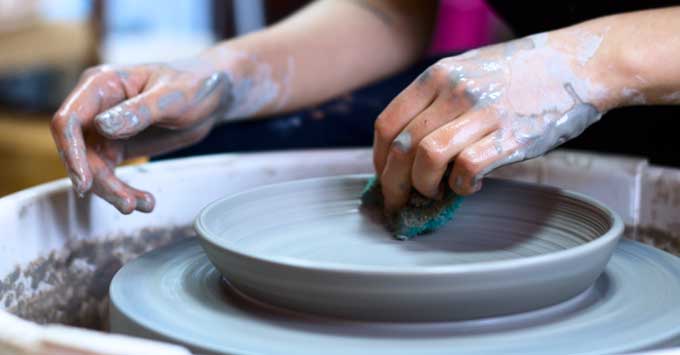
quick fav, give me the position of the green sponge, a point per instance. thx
(420, 215)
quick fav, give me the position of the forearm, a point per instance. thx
(636, 58)
(328, 48)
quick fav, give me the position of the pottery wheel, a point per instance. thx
(175, 294)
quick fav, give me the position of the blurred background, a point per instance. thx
(46, 44)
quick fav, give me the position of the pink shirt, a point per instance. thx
(462, 24)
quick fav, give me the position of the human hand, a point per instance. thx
(119, 113)
(486, 108)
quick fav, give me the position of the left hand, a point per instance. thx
(120, 113)
(484, 109)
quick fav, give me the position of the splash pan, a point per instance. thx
(308, 246)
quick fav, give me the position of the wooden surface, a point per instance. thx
(47, 45)
(27, 153)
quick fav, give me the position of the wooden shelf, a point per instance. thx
(27, 154)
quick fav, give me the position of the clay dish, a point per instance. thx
(309, 246)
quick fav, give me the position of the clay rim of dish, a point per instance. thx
(612, 234)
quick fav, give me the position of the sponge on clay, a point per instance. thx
(420, 214)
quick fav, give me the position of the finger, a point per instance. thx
(122, 196)
(438, 149)
(127, 118)
(97, 90)
(403, 108)
(68, 137)
(396, 177)
(155, 140)
(164, 106)
(474, 162)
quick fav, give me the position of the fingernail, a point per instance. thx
(124, 204)
(110, 122)
(122, 121)
(78, 185)
(146, 203)
(477, 184)
(403, 142)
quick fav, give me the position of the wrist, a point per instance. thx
(256, 86)
(221, 58)
(636, 64)
(620, 69)
(608, 64)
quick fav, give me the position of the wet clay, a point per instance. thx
(70, 286)
(661, 239)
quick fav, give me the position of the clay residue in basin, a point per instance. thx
(656, 237)
(70, 286)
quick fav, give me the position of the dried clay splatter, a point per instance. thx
(255, 89)
(70, 286)
(535, 115)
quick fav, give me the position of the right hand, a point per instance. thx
(472, 113)
(120, 113)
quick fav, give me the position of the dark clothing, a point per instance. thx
(348, 121)
(343, 122)
(529, 17)
(648, 131)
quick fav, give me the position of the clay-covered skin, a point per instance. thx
(486, 108)
(119, 113)
(116, 113)
(480, 110)
(517, 100)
